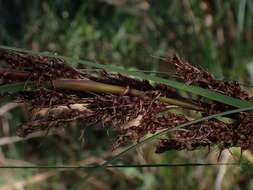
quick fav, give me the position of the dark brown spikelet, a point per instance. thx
(116, 110)
(207, 133)
(189, 73)
(44, 98)
(210, 133)
(244, 127)
(120, 109)
(41, 67)
(193, 75)
(148, 124)
(57, 118)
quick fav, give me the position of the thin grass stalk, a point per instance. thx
(92, 86)
(84, 167)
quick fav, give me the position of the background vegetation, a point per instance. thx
(215, 35)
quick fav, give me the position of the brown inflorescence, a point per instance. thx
(117, 110)
(193, 75)
(211, 132)
(131, 115)
(39, 67)
(54, 120)
(196, 76)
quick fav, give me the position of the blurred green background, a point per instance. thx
(215, 35)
